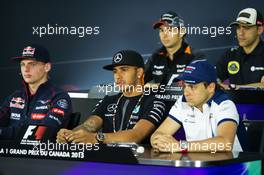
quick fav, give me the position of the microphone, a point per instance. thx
(137, 149)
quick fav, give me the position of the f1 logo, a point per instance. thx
(174, 76)
(29, 131)
(36, 131)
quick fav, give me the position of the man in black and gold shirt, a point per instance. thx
(244, 65)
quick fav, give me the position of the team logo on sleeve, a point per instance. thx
(37, 116)
(63, 103)
(57, 111)
(233, 67)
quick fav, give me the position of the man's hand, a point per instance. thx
(62, 135)
(165, 143)
(224, 86)
(81, 136)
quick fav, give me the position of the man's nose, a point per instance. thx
(26, 68)
(240, 31)
(118, 75)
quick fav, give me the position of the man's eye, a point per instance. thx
(33, 64)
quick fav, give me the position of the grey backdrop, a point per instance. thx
(122, 24)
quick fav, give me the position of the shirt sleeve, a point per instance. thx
(5, 112)
(59, 112)
(5, 130)
(101, 107)
(227, 112)
(154, 110)
(176, 111)
(148, 70)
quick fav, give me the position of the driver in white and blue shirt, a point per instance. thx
(208, 116)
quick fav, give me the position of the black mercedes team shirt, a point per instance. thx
(127, 111)
(241, 68)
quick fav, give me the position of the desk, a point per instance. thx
(148, 163)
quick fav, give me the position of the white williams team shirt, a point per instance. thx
(203, 125)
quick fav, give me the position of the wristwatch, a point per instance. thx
(100, 137)
(232, 86)
(184, 145)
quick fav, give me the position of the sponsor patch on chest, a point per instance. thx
(17, 102)
(15, 116)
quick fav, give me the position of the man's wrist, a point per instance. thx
(100, 137)
(232, 86)
(183, 146)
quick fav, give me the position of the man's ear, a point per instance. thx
(140, 75)
(260, 29)
(211, 87)
(140, 72)
(47, 67)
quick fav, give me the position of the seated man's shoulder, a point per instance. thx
(17, 94)
(230, 55)
(159, 52)
(61, 93)
(221, 98)
(234, 49)
(56, 90)
(232, 52)
(113, 97)
(59, 96)
(151, 99)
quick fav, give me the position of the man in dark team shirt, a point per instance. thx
(244, 65)
(39, 102)
(168, 62)
(130, 116)
(175, 54)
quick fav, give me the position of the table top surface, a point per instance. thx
(126, 155)
(151, 157)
